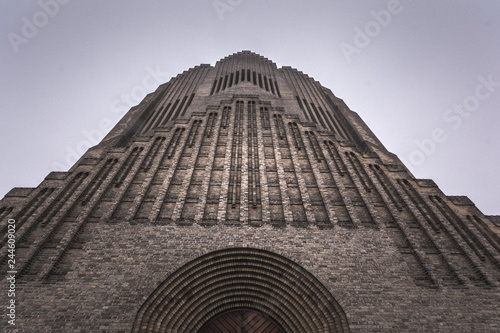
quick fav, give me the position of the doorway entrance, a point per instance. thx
(241, 321)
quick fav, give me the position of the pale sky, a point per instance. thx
(424, 75)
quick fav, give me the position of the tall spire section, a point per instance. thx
(246, 68)
(244, 73)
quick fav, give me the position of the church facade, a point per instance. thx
(243, 197)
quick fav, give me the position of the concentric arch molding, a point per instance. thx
(241, 278)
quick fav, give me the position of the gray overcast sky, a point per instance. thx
(69, 69)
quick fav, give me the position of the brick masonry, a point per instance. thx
(246, 155)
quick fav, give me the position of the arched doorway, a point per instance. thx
(241, 321)
(219, 283)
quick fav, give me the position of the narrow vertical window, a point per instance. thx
(213, 87)
(277, 89)
(225, 82)
(317, 115)
(219, 85)
(272, 87)
(187, 105)
(309, 110)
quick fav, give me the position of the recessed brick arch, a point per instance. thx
(241, 278)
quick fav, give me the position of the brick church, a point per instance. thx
(243, 197)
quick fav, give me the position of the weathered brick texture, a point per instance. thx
(252, 187)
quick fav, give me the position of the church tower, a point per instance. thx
(243, 197)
